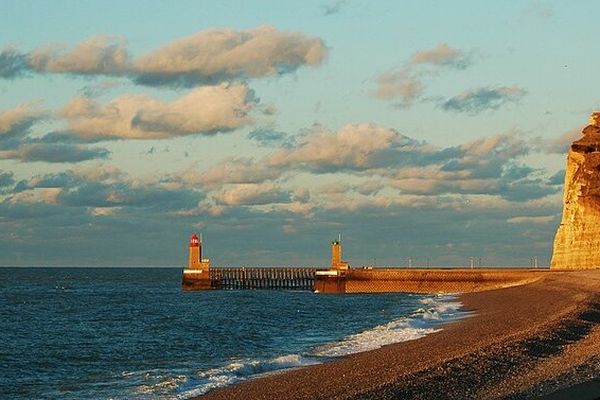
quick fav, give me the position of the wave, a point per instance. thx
(423, 321)
(163, 385)
(242, 369)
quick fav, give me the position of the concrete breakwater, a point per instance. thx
(378, 280)
(424, 280)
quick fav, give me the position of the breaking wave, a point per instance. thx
(422, 321)
(240, 370)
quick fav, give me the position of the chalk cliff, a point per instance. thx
(577, 242)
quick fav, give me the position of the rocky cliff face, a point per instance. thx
(577, 242)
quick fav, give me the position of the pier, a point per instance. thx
(340, 278)
(290, 278)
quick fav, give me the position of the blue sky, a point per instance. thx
(416, 129)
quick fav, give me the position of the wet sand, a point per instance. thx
(522, 342)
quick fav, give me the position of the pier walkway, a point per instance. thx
(284, 278)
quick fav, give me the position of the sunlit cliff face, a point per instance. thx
(578, 237)
(595, 119)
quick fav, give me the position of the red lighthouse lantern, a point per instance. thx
(194, 240)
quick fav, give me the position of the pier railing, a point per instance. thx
(291, 278)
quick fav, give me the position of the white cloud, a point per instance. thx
(19, 119)
(544, 219)
(221, 54)
(401, 85)
(207, 57)
(404, 85)
(234, 170)
(252, 194)
(357, 146)
(104, 211)
(17, 141)
(561, 144)
(38, 195)
(207, 110)
(98, 55)
(443, 55)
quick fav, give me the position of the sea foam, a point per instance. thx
(422, 322)
(241, 370)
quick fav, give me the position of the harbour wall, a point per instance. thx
(361, 280)
(424, 280)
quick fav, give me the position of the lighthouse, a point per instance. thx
(336, 255)
(197, 273)
(195, 253)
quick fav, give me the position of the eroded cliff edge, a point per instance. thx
(577, 241)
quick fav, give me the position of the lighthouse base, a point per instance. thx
(330, 281)
(195, 279)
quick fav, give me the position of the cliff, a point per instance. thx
(577, 242)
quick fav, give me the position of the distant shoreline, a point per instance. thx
(507, 267)
(91, 266)
(524, 341)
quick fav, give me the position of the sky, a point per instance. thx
(423, 130)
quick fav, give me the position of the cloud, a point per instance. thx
(98, 55)
(488, 154)
(100, 88)
(561, 144)
(206, 110)
(405, 86)
(334, 8)
(525, 190)
(377, 162)
(38, 195)
(369, 188)
(105, 173)
(529, 220)
(207, 57)
(443, 56)
(487, 166)
(54, 153)
(356, 179)
(558, 178)
(16, 141)
(388, 159)
(6, 178)
(105, 187)
(378, 159)
(475, 101)
(12, 64)
(252, 194)
(268, 138)
(224, 54)
(103, 208)
(238, 170)
(353, 147)
(105, 211)
(401, 85)
(88, 214)
(19, 120)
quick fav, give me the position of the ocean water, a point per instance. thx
(131, 333)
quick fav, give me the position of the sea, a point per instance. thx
(132, 333)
